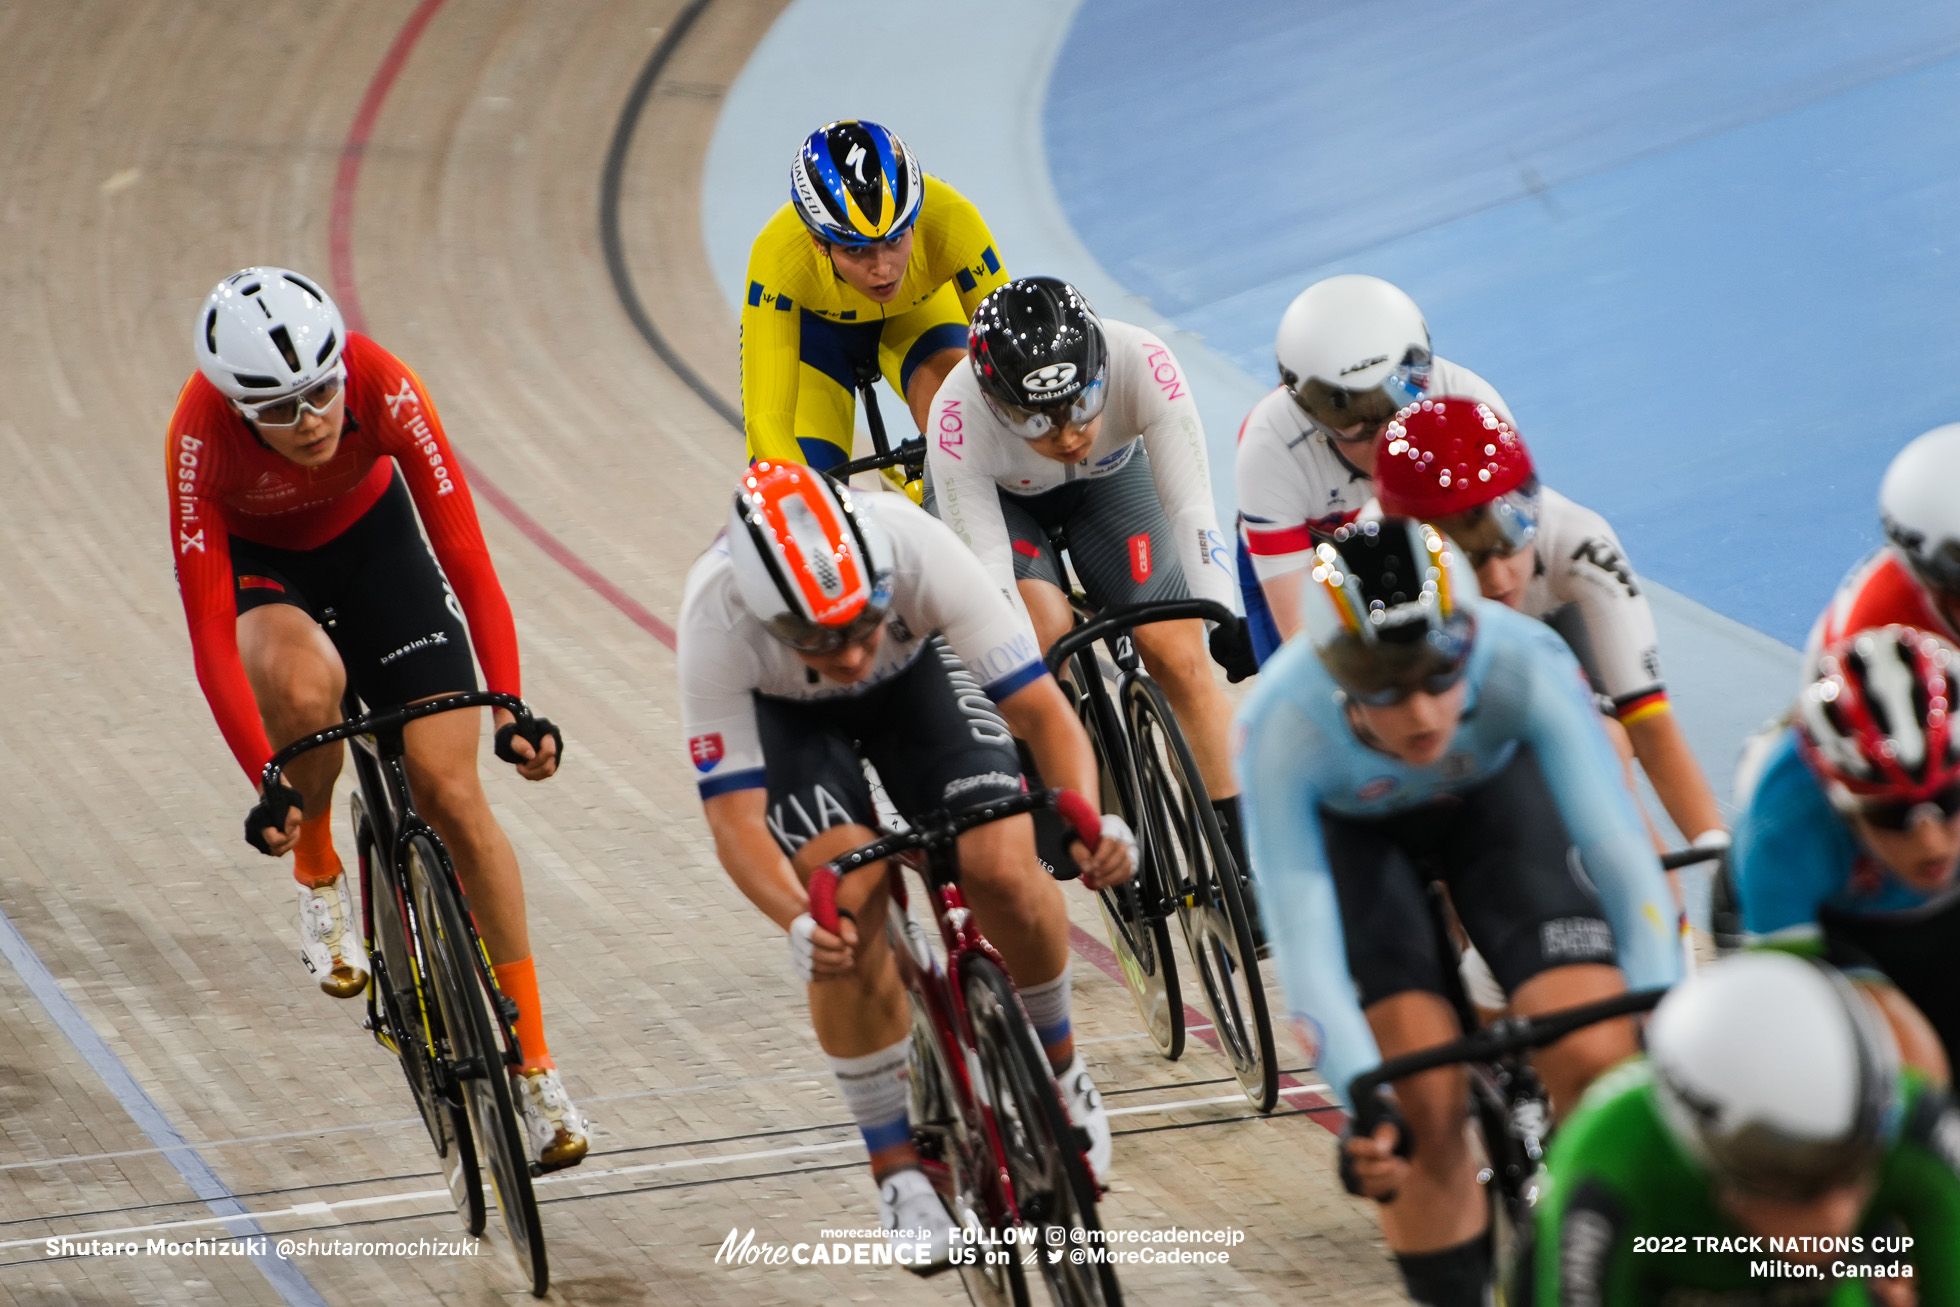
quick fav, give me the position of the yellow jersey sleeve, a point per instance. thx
(788, 273)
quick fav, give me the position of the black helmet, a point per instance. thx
(1388, 608)
(1041, 356)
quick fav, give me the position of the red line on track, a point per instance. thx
(340, 263)
(340, 270)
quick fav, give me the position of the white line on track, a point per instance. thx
(583, 1176)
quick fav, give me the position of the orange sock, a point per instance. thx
(519, 981)
(314, 861)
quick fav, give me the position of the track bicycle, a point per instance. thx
(1507, 1101)
(987, 1116)
(433, 999)
(1186, 866)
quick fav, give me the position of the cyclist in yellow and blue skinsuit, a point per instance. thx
(871, 264)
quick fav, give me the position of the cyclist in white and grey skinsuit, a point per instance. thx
(1065, 421)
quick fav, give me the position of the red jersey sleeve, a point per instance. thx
(195, 469)
(411, 432)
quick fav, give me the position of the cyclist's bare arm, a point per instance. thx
(1662, 748)
(1038, 714)
(748, 853)
(1283, 600)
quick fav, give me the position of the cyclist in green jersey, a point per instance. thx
(1768, 1150)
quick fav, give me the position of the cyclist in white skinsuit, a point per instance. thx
(1352, 350)
(1067, 421)
(822, 631)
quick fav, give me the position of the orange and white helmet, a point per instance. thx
(808, 563)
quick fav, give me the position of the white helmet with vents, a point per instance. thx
(264, 333)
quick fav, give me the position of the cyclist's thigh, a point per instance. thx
(1034, 557)
(919, 333)
(280, 642)
(398, 627)
(1120, 540)
(831, 357)
(940, 741)
(1385, 921)
(1516, 881)
(813, 773)
(1916, 955)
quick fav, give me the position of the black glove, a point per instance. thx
(270, 810)
(533, 731)
(1362, 1124)
(1231, 648)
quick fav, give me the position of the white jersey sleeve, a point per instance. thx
(945, 589)
(960, 473)
(1587, 591)
(721, 666)
(1161, 407)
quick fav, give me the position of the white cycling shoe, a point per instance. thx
(917, 1224)
(553, 1123)
(329, 943)
(1085, 1109)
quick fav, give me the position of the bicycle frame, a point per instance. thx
(378, 751)
(960, 939)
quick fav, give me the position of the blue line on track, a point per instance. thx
(293, 1286)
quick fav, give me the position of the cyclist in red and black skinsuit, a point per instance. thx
(297, 461)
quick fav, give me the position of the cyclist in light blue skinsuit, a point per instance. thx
(1418, 734)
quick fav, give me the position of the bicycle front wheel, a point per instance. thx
(1197, 864)
(1039, 1146)
(402, 1018)
(1138, 933)
(467, 1002)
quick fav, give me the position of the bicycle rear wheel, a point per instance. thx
(1039, 1145)
(1197, 864)
(469, 1013)
(1138, 932)
(402, 1019)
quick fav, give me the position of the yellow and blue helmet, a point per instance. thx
(855, 183)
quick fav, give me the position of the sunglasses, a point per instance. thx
(1502, 528)
(1335, 409)
(808, 638)
(1903, 814)
(287, 409)
(1034, 423)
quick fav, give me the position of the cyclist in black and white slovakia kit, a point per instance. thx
(823, 630)
(1352, 350)
(1068, 421)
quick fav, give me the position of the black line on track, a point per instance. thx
(611, 181)
(610, 1193)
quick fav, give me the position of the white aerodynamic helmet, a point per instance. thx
(1918, 505)
(267, 332)
(1353, 349)
(1776, 1074)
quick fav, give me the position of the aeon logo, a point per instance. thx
(1048, 380)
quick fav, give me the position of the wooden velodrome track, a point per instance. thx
(164, 1059)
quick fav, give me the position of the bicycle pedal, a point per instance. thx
(468, 1068)
(507, 1006)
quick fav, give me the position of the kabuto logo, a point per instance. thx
(1048, 380)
